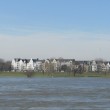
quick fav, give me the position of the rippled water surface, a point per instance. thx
(54, 94)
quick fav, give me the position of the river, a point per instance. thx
(54, 93)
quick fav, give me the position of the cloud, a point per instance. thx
(78, 45)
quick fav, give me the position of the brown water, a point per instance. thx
(54, 94)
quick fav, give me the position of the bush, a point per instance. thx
(29, 73)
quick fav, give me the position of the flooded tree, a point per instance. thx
(29, 73)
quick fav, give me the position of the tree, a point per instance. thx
(80, 69)
(1, 64)
(7, 66)
(64, 68)
(29, 73)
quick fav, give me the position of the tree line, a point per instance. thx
(5, 65)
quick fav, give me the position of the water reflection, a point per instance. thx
(54, 93)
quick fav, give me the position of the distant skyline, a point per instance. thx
(77, 29)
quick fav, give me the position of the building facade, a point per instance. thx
(58, 65)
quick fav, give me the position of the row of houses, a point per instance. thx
(100, 66)
(19, 64)
(58, 65)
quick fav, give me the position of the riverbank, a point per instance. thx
(60, 74)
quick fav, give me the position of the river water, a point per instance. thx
(54, 94)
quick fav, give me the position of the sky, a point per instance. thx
(76, 29)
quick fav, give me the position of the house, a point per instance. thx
(31, 65)
(16, 64)
(19, 64)
(93, 66)
(108, 67)
(57, 65)
(103, 67)
(54, 65)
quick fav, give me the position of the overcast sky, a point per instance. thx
(78, 29)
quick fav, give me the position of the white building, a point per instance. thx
(46, 65)
(25, 64)
(94, 66)
(108, 67)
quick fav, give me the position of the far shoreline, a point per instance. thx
(55, 75)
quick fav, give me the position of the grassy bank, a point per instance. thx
(61, 74)
(12, 74)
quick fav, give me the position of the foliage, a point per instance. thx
(5, 66)
(29, 73)
(64, 68)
